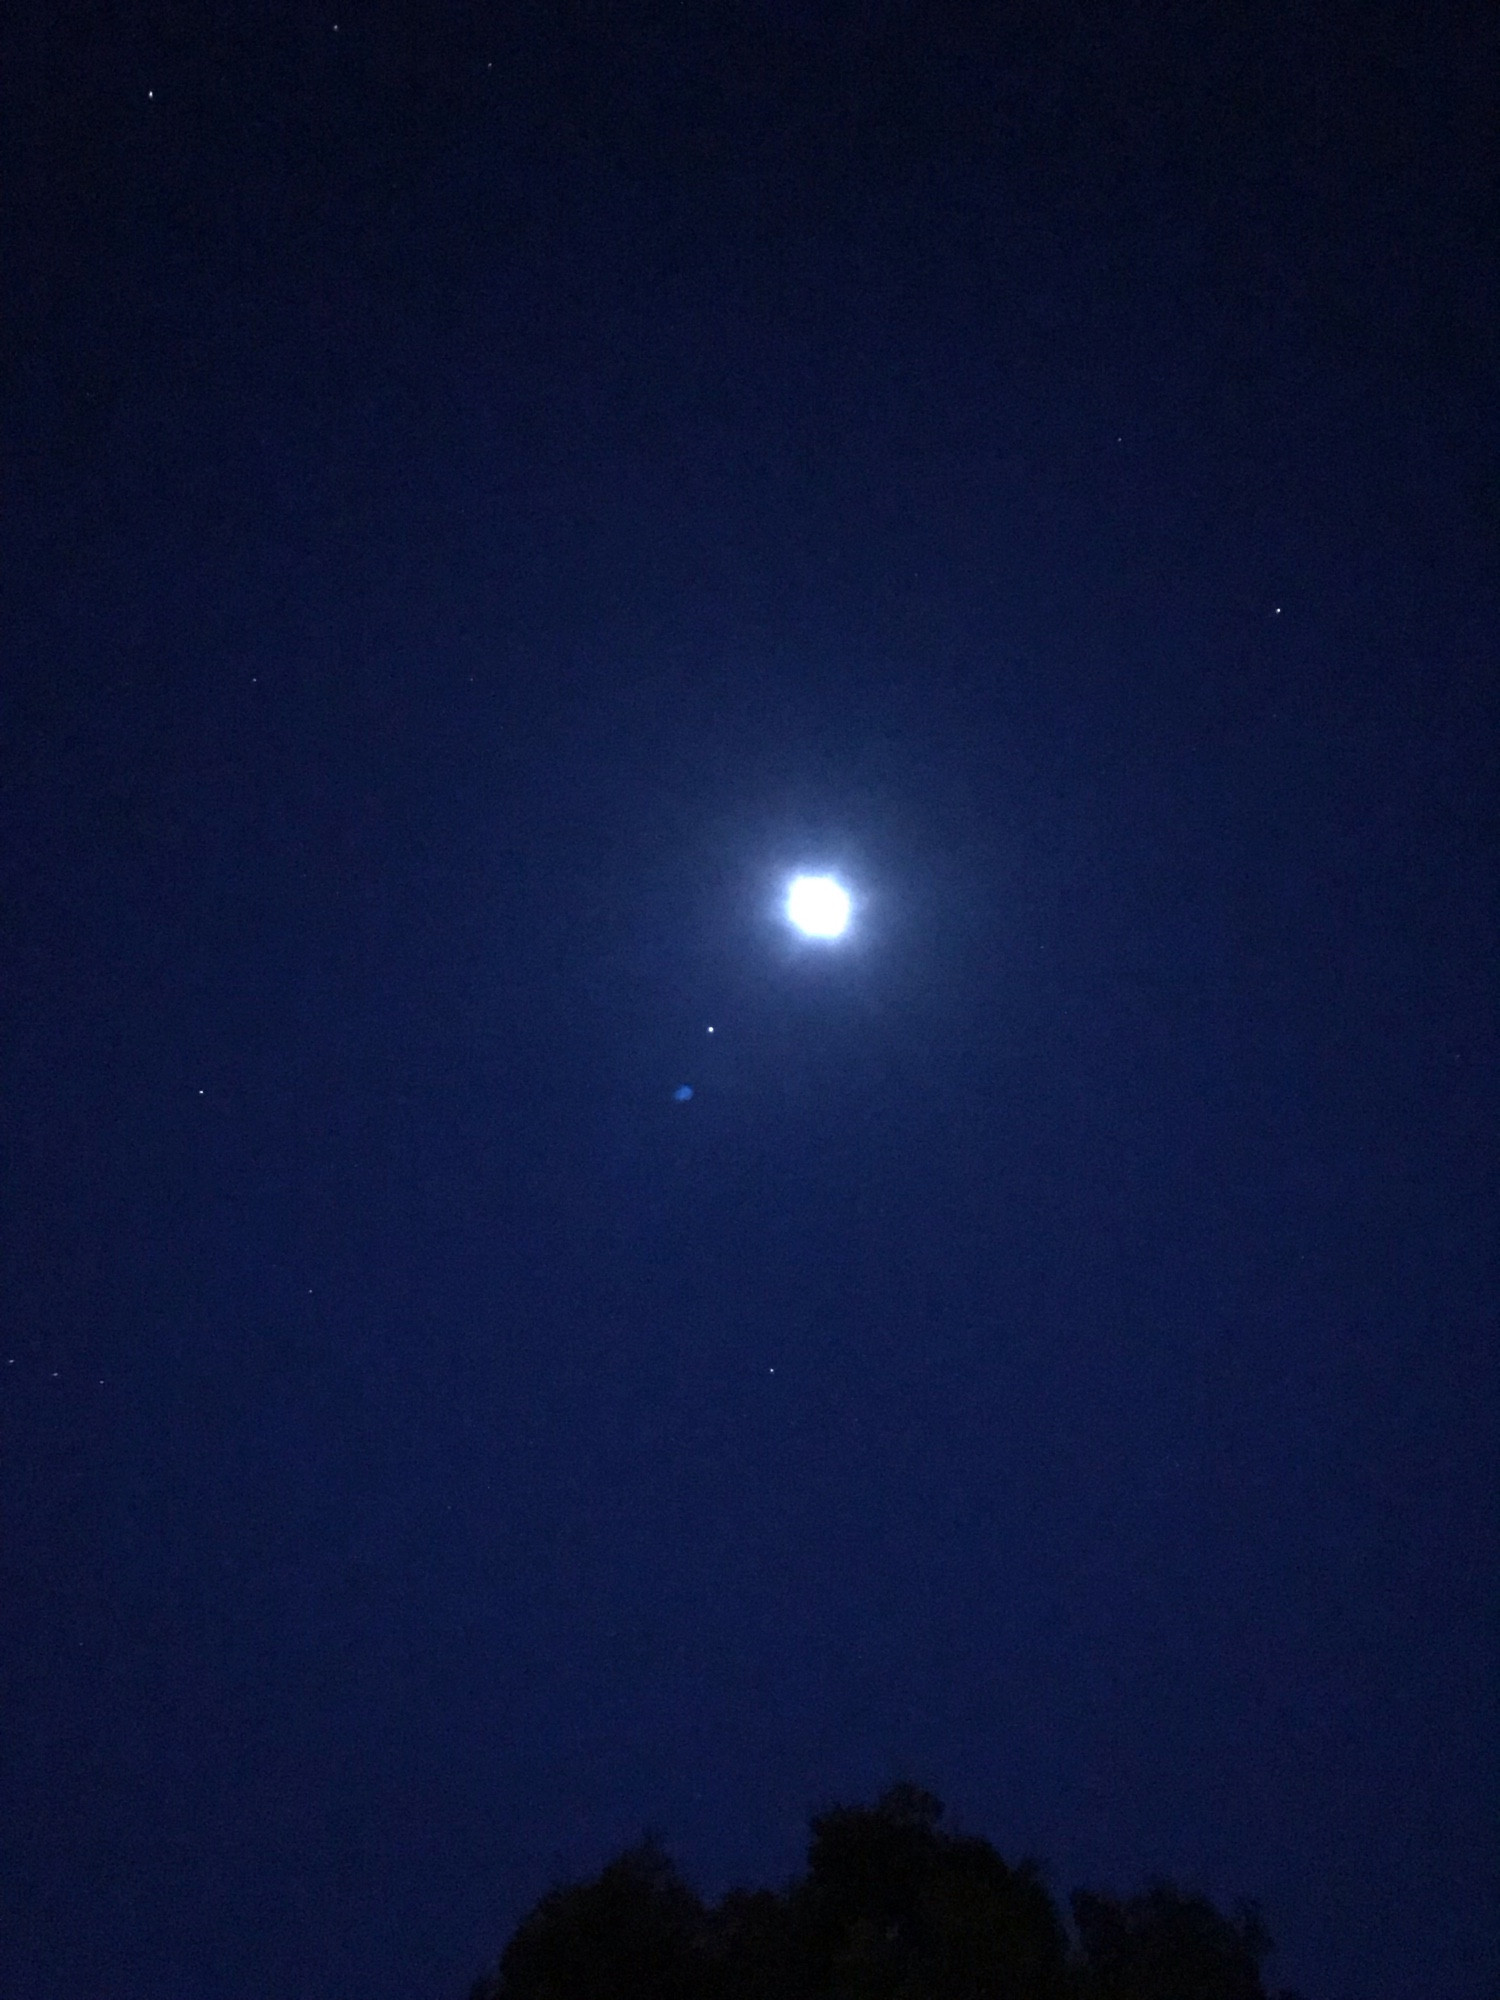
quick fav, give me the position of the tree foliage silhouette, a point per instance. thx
(635, 1933)
(1168, 1946)
(893, 1906)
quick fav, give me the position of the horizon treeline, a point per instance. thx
(893, 1905)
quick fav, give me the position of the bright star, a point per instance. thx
(818, 906)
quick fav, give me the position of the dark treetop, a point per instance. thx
(892, 1907)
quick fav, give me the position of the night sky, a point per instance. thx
(490, 493)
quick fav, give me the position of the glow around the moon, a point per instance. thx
(818, 906)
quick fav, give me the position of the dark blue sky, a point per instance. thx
(488, 495)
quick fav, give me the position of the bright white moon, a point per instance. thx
(818, 906)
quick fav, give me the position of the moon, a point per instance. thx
(818, 906)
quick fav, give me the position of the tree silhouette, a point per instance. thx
(1168, 1946)
(635, 1933)
(893, 1906)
